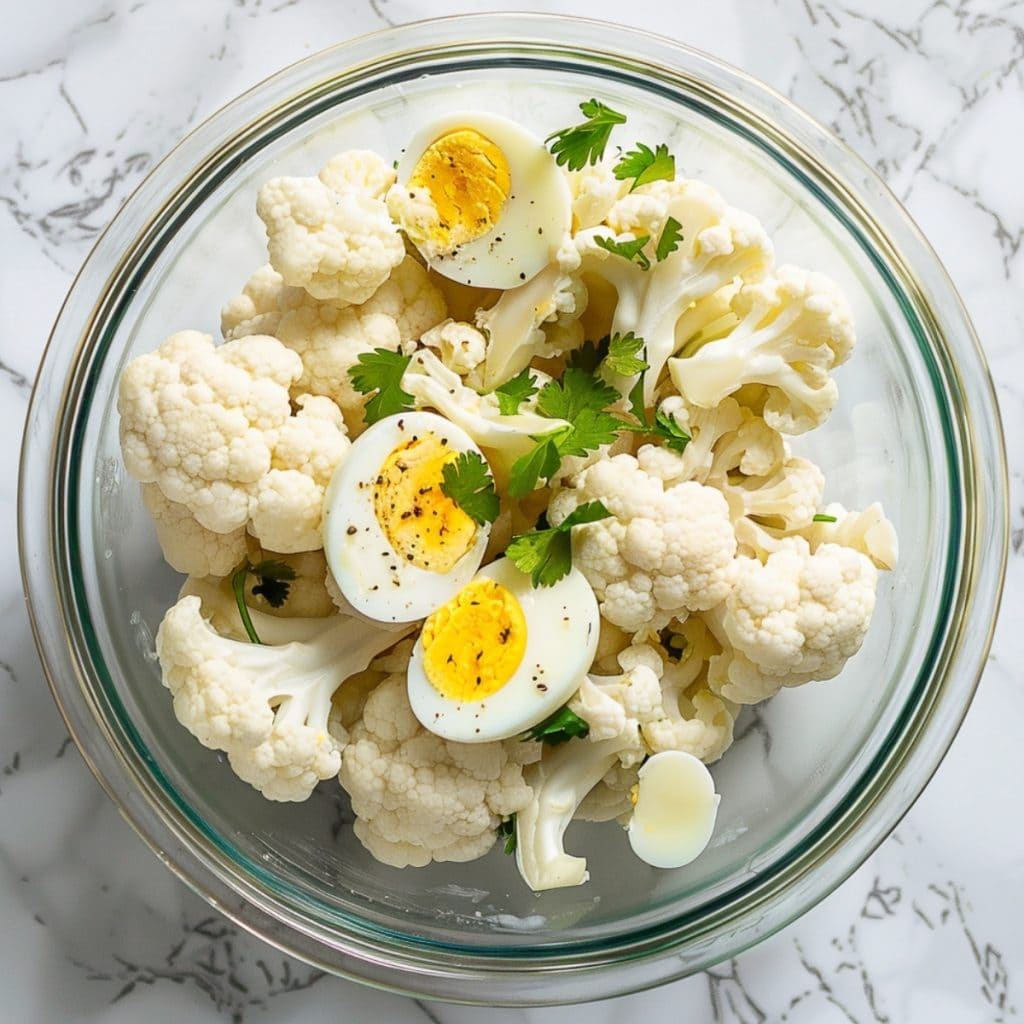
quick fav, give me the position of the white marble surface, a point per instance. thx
(92, 94)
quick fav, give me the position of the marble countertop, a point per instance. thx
(92, 94)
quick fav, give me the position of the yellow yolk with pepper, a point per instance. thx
(423, 525)
(468, 179)
(473, 644)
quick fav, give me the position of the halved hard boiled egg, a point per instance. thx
(397, 546)
(501, 655)
(482, 199)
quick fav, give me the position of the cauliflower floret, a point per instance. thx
(594, 190)
(419, 798)
(461, 346)
(189, 547)
(329, 340)
(540, 318)
(213, 428)
(664, 549)
(339, 246)
(796, 617)
(359, 171)
(267, 707)
(717, 245)
(791, 329)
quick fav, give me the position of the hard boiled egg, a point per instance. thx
(482, 199)
(676, 807)
(501, 655)
(397, 546)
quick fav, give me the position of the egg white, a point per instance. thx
(375, 580)
(533, 221)
(562, 625)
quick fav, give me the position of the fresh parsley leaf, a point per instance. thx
(636, 399)
(507, 830)
(381, 371)
(624, 355)
(563, 725)
(671, 236)
(547, 554)
(645, 165)
(667, 428)
(588, 356)
(585, 143)
(565, 399)
(591, 428)
(629, 250)
(273, 583)
(540, 463)
(468, 482)
(514, 392)
(822, 517)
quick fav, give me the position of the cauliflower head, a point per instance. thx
(665, 550)
(419, 798)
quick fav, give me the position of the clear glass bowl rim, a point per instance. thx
(649, 958)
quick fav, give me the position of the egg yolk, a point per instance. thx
(473, 645)
(421, 523)
(469, 182)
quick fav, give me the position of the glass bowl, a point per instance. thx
(817, 777)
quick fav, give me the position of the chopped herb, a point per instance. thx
(468, 482)
(381, 371)
(645, 165)
(539, 464)
(546, 554)
(624, 356)
(563, 725)
(632, 249)
(514, 392)
(588, 356)
(507, 831)
(585, 143)
(671, 236)
(273, 584)
(667, 429)
(822, 517)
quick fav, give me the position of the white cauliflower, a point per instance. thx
(665, 550)
(338, 245)
(358, 171)
(789, 331)
(796, 617)
(330, 339)
(717, 245)
(460, 346)
(419, 798)
(540, 318)
(268, 707)
(594, 190)
(188, 546)
(213, 428)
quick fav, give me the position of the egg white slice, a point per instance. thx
(373, 577)
(562, 625)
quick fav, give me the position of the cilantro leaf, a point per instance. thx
(468, 482)
(547, 554)
(274, 584)
(645, 165)
(822, 517)
(630, 250)
(540, 463)
(563, 725)
(636, 399)
(666, 427)
(585, 143)
(381, 371)
(576, 391)
(514, 392)
(507, 830)
(591, 428)
(588, 356)
(671, 236)
(624, 355)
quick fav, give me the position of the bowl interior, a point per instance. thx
(798, 761)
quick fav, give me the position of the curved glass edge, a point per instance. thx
(41, 583)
